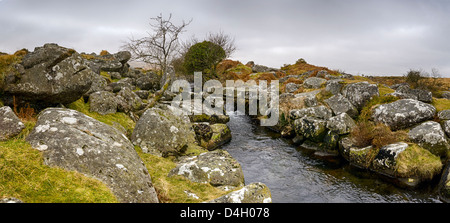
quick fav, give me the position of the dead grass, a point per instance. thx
(378, 135)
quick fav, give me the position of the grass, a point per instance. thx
(172, 189)
(23, 175)
(441, 104)
(416, 161)
(366, 111)
(119, 117)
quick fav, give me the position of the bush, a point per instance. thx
(413, 77)
(203, 57)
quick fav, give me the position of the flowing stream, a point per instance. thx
(294, 175)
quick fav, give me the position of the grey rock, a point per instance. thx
(385, 161)
(10, 200)
(99, 83)
(446, 94)
(334, 86)
(291, 87)
(430, 136)
(405, 92)
(360, 93)
(115, 75)
(356, 156)
(148, 83)
(128, 101)
(10, 124)
(309, 98)
(444, 184)
(143, 94)
(103, 102)
(252, 193)
(74, 141)
(340, 104)
(446, 127)
(341, 124)
(162, 133)
(444, 115)
(212, 136)
(322, 74)
(53, 75)
(320, 112)
(314, 82)
(311, 128)
(403, 113)
(217, 168)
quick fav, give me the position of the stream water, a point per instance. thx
(294, 175)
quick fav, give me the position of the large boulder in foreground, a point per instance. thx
(252, 193)
(52, 75)
(217, 168)
(403, 113)
(162, 133)
(10, 124)
(430, 136)
(74, 141)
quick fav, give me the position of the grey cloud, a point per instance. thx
(367, 37)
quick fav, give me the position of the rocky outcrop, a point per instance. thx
(74, 141)
(52, 75)
(110, 62)
(309, 98)
(360, 93)
(321, 112)
(405, 92)
(314, 82)
(10, 124)
(334, 86)
(217, 168)
(430, 136)
(162, 133)
(403, 113)
(252, 193)
(341, 124)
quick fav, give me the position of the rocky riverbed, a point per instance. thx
(95, 115)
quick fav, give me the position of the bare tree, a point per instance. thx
(161, 45)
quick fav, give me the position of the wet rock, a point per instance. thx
(314, 82)
(385, 161)
(403, 113)
(341, 124)
(217, 168)
(360, 93)
(311, 128)
(212, 136)
(430, 136)
(10, 124)
(162, 133)
(356, 156)
(339, 104)
(103, 102)
(53, 75)
(74, 141)
(252, 193)
(320, 112)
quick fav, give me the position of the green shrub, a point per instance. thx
(203, 57)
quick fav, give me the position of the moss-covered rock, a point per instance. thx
(430, 136)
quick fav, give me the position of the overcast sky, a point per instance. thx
(358, 36)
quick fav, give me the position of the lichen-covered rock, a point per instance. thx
(74, 141)
(252, 193)
(52, 75)
(148, 83)
(99, 83)
(334, 86)
(320, 112)
(403, 113)
(314, 82)
(128, 101)
(211, 136)
(409, 164)
(444, 185)
(356, 156)
(446, 127)
(341, 124)
(311, 128)
(103, 102)
(10, 124)
(217, 168)
(446, 94)
(444, 115)
(405, 92)
(430, 136)
(291, 87)
(309, 98)
(360, 93)
(162, 133)
(339, 104)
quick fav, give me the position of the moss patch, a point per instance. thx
(419, 162)
(172, 189)
(123, 119)
(24, 176)
(441, 104)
